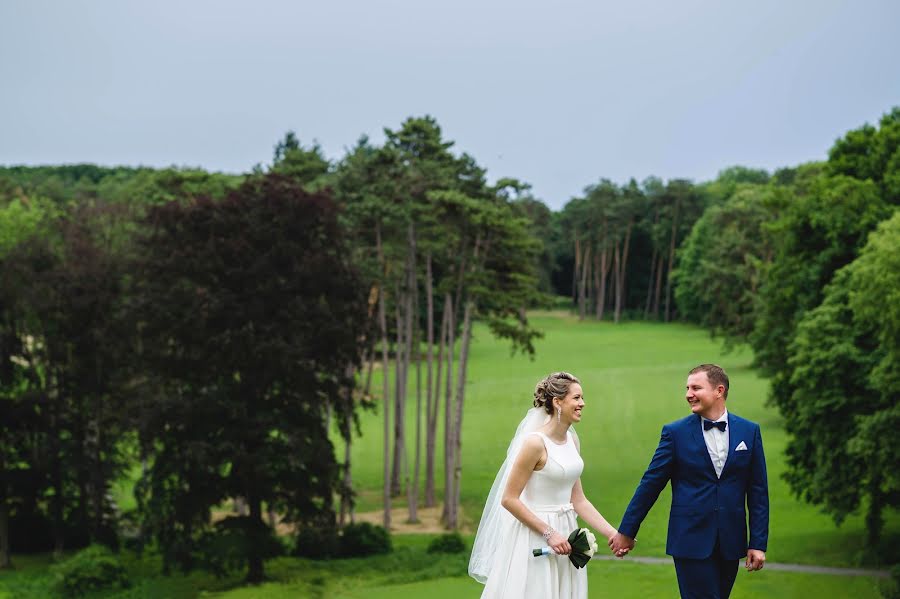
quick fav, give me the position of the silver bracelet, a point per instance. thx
(548, 533)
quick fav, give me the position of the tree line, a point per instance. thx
(212, 329)
(804, 267)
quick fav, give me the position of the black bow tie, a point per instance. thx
(708, 424)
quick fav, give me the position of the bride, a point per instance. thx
(534, 502)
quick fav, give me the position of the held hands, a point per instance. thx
(620, 544)
(755, 560)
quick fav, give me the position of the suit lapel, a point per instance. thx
(735, 435)
(700, 442)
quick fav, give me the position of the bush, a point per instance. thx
(451, 542)
(32, 532)
(227, 547)
(315, 542)
(361, 539)
(88, 570)
(890, 589)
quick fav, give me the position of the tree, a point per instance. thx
(493, 279)
(308, 166)
(718, 275)
(61, 301)
(871, 153)
(418, 210)
(542, 226)
(843, 372)
(819, 232)
(20, 220)
(250, 315)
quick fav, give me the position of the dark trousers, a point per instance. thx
(710, 578)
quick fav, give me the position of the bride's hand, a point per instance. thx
(559, 544)
(611, 536)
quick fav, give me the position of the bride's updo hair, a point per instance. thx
(553, 385)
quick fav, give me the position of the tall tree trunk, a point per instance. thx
(430, 402)
(671, 259)
(400, 362)
(657, 293)
(604, 274)
(56, 478)
(346, 510)
(328, 413)
(576, 269)
(454, 496)
(598, 305)
(98, 481)
(412, 345)
(449, 454)
(650, 279)
(385, 387)
(582, 282)
(601, 264)
(448, 406)
(255, 573)
(413, 488)
(621, 269)
(369, 361)
(430, 494)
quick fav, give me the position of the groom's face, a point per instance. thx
(704, 399)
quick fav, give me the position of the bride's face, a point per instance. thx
(572, 404)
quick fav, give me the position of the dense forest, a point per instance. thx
(211, 329)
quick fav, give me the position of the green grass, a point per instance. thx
(633, 376)
(632, 580)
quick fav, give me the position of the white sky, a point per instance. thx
(557, 93)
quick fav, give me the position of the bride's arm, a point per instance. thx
(587, 512)
(531, 453)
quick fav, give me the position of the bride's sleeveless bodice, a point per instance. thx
(516, 573)
(550, 487)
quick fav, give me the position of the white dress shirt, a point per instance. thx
(717, 443)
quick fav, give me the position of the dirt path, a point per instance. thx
(429, 520)
(430, 523)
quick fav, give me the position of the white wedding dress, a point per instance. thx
(515, 573)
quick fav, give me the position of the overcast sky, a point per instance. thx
(556, 93)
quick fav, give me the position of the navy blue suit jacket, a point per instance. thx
(705, 507)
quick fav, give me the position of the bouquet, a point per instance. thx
(584, 545)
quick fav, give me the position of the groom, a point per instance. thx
(716, 463)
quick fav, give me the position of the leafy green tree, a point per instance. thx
(20, 220)
(718, 275)
(840, 392)
(871, 153)
(250, 315)
(495, 281)
(61, 301)
(308, 166)
(542, 226)
(819, 232)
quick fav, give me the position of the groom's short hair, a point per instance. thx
(715, 374)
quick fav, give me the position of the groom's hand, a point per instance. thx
(755, 560)
(620, 544)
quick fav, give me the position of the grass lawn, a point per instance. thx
(633, 376)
